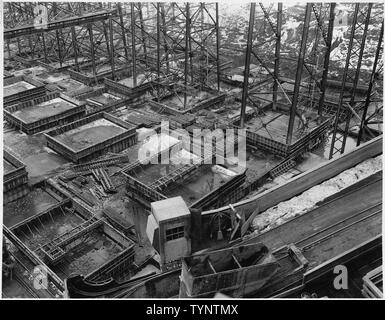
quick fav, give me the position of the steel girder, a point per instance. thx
(204, 44)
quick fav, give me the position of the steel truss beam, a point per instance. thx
(65, 38)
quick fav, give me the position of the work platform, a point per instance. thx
(91, 136)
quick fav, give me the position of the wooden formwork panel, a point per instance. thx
(146, 193)
(270, 145)
(29, 94)
(107, 107)
(113, 268)
(15, 182)
(7, 74)
(15, 193)
(114, 144)
(119, 264)
(48, 122)
(209, 103)
(223, 194)
(127, 91)
(91, 80)
(310, 140)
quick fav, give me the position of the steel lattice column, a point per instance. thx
(266, 60)
(300, 65)
(247, 65)
(354, 55)
(218, 46)
(377, 66)
(277, 56)
(316, 63)
(327, 58)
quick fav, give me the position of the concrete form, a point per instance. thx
(20, 89)
(97, 250)
(91, 136)
(59, 81)
(70, 87)
(150, 113)
(36, 201)
(86, 76)
(199, 185)
(7, 74)
(32, 72)
(223, 116)
(269, 133)
(61, 66)
(138, 117)
(15, 178)
(104, 99)
(125, 86)
(196, 100)
(44, 113)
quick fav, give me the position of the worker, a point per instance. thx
(8, 261)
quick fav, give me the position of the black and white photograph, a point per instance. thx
(198, 151)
